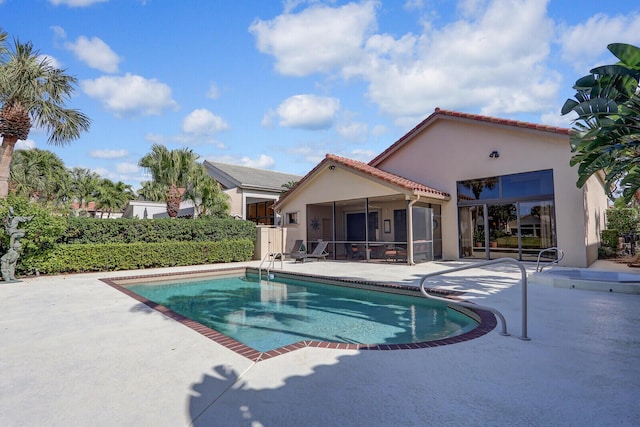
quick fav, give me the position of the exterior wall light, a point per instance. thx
(494, 154)
(332, 167)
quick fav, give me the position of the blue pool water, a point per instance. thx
(268, 315)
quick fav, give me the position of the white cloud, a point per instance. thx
(487, 60)
(213, 92)
(53, 62)
(155, 138)
(379, 130)
(25, 145)
(354, 131)
(267, 119)
(318, 39)
(312, 155)
(362, 155)
(586, 43)
(262, 162)
(308, 111)
(130, 95)
(108, 154)
(75, 3)
(127, 168)
(95, 53)
(413, 5)
(554, 118)
(203, 122)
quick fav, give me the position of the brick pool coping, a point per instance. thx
(487, 321)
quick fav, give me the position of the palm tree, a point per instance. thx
(206, 194)
(3, 39)
(172, 170)
(39, 175)
(112, 196)
(84, 185)
(33, 92)
(152, 191)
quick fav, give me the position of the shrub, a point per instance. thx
(91, 230)
(78, 258)
(625, 220)
(41, 232)
(609, 238)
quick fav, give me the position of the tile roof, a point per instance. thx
(387, 176)
(469, 116)
(373, 172)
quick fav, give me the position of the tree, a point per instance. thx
(288, 186)
(33, 92)
(606, 134)
(39, 175)
(172, 171)
(206, 194)
(152, 191)
(84, 185)
(112, 196)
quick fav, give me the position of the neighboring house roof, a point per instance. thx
(372, 172)
(232, 176)
(444, 114)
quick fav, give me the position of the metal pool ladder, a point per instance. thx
(560, 253)
(503, 322)
(271, 256)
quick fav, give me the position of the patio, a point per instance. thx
(77, 352)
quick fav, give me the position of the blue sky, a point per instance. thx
(278, 84)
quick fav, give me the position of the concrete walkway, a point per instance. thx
(76, 352)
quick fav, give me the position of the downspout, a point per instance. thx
(410, 230)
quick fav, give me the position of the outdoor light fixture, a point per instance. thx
(494, 154)
(332, 167)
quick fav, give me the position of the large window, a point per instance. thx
(261, 212)
(517, 186)
(506, 216)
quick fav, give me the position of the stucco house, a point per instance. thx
(251, 191)
(144, 209)
(456, 186)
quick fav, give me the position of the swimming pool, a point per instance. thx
(293, 310)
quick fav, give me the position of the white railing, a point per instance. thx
(559, 257)
(503, 322)
(272, 256)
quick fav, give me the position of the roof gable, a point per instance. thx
(370, 172)
(446, 114)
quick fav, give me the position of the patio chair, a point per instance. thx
(318, 253)
(296, 249)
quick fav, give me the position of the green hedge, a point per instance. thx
(78, 258)
(91, 230)
(609, 238)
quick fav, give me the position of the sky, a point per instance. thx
(278, 84)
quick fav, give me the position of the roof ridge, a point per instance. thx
(470, 116)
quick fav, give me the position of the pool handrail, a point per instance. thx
(274, 256)
(503, 332)
(559, 258)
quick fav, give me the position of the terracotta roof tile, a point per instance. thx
(477, 117)
(386, 176)
(372, 172)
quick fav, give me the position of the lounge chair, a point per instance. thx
(318, 253)
(297, 248)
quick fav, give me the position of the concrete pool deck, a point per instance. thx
(76, 352)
